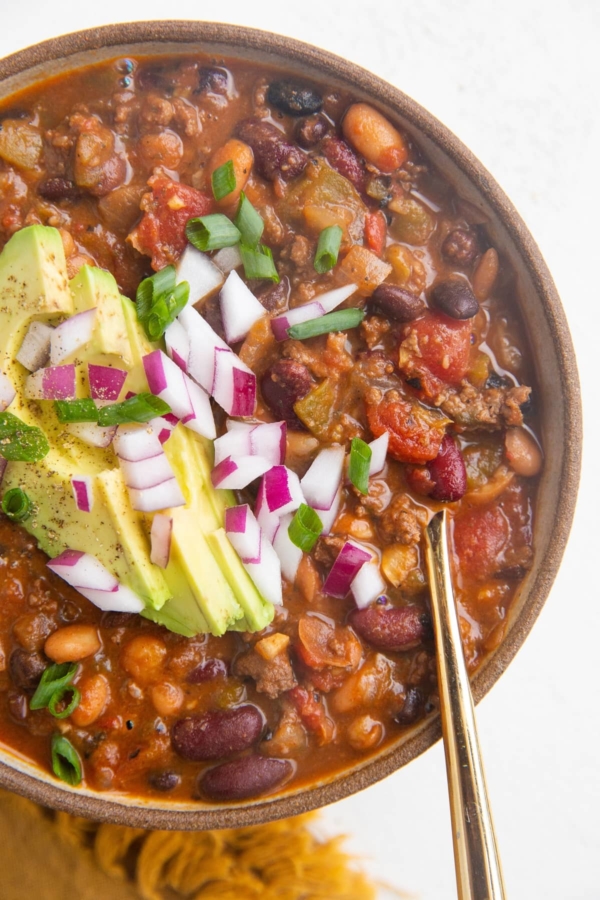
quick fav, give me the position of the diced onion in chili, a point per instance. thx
(53, 383)
(212, 232)
(282, 490)
(160, 540)
(203, 343)
(83, 492)
(267, 440)
(202, 275)
(71, 335)
(360, 461)
(186, 399)
(7, 392)
(367, 585)
(34, 352)
(166, 495)
(379, 449)
(328, 248)
(235, 474)
(243, 531)
(227, 259)
(344, 570)
(146, 473)
(234, 386)
(266, 574)
(269, 521)
(328, 516)
(177, 342)
(106, 382)
(239, 308)
(321, 482)
(289, 553)
(316, 308)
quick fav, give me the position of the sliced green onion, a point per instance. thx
(20, 442)
(305, 528)
(66, 763)
(249, 223)
(212, 232)
(258, 262)
(334, 321)
(16, 504)
(159, 300)
(76, 410)
(360, 461)
(328, 248)
(140, 408)
(223, 180)
(58, 697)
(54, 678)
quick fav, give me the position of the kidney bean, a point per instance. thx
(448, 472)
(250, 776)
(286, 382)
(26, 668)
(396, 303)
(294, 98)
(411, 708)
(460, 246)
(163, 781)
(274, 156)
(217, 733)
(212, 79)
(274, 297)
(208, 671)
(56, 189)
(343, 159)
(311, 130)
(392, 628)
(455, 298)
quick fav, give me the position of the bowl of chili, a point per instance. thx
(409, 391)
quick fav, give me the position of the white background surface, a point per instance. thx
(518, 82)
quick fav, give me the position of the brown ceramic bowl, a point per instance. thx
(550, 344)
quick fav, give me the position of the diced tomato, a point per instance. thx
(313, 715)
(480, 539)
(375, 232)
(161, 232)
(436, 350)
(416, 433)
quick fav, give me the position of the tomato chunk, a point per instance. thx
(416, 433)
(375, 232)
(161, 232)
(313, 715)
(480, 539)
(436, 351)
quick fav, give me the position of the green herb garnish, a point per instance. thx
(328, 248)
(58, 697)
(334, 321)
(76, 410)
(159, 300)
(360, 461)
(258, 262)
(249, 223)
(305, 528)
(66, 763)
(212, 232)
(16, 505)
(140, 408)
(20, 442)
(55, 678)
(223, 180)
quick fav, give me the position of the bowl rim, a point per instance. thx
(238, 39)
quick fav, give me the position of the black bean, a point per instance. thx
(212, 79)
(26, 668)
(455, 298)
(294, 98)
(56, 189)
(16, 112)
(396, 303)
(461, 246)
(218, 733)
(309, 131)
(495, 381)
(274, 156)
(411, 708)
(208, 671)
(286, 382)
(250, 776)
(164, 781)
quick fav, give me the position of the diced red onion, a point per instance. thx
(35, 349)
(53, 383)
(379, 449)
(7, 392)
(367, 584)
(200, 273)
(162, 496)
(266, 440)
(135, 442)
(81, 570)
(178, 344)
(266, 574)
(167, 381)
(289, 554)
(268, 521)
(282, 490)
(236, 474)
(163, 427)
(345, 569)
(82, 491)
(237, 425)
(106, 383)
(94, 435)
(316, 308)
(243, 531)
(146, 473)
(203, 343)
(227, 259)
(201, 419)
(323, 478)
(234, 386)
(160, 540)
(233, 443)
(239, 308)
(72, 334)
(328, 516)
(122, 599)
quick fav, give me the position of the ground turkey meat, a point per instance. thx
(272, 676)
(401, 522)
(490, 408)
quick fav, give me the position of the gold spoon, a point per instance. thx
(476, 859)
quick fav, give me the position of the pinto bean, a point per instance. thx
(167, 698)
(460, 246)
(95, 694)
(208, 671)
(286, 382)
(396, 303)
(345, 161)
(311, 130)
(56, 189)
(250, 776)
(455, 298)
(274, 156)
(522, 452)
(364, 732)
(26, 669)
(143, 656)
(72, 643)
(448, 472)
(218, 733)
(163, 781)
(374, 137)
(392, 628)
(294, 98)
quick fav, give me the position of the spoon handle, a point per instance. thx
(478, 869)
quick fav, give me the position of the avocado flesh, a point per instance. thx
(203, 588)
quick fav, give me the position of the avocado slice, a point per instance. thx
(258, 612)
(94, 288)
